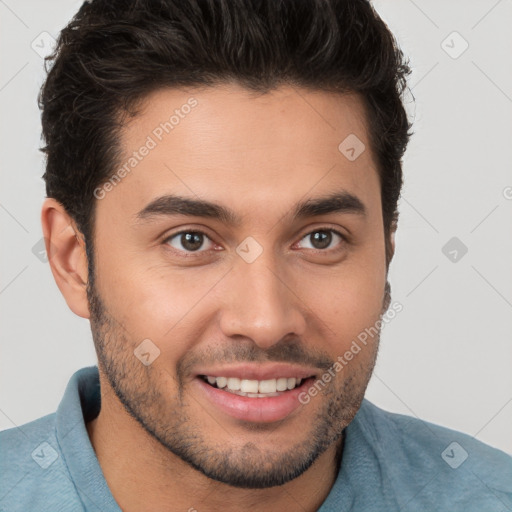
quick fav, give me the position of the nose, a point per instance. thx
(261, 303)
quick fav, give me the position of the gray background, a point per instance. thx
(447, 356)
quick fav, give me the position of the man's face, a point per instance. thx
(270, 297)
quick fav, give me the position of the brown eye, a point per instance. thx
(322, 239)
(187, 241)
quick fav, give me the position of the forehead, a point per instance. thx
(244, 149)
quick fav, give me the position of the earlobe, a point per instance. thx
(65, 248)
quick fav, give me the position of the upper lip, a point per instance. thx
(259, 372)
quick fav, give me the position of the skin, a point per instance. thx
(259, 155)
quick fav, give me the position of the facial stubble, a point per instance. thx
(145, 393)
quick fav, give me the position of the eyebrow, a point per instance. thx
(170, 205)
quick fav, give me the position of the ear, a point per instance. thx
(390, 241)
(65, 248)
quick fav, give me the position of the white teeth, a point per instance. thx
(291, 383)
(267, 386)
(234, 384)
(282, 384)
(251, 387)
(261, 395)
(222, 382)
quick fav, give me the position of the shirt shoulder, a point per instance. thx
(428, 464)
(34, 475)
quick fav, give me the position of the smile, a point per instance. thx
(253, 388)
(251, 400)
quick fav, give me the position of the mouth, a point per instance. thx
(253, 400)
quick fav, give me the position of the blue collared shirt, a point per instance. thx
(390, 462)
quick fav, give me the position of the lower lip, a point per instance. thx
(260, 410)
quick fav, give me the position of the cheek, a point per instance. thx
(157, 303)
(347, 302)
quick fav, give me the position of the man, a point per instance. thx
(222, 182)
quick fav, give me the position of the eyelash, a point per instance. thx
(193, 254)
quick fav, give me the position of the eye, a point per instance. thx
(321, 239)
(188, 241)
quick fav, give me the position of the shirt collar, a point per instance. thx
(81, 403)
